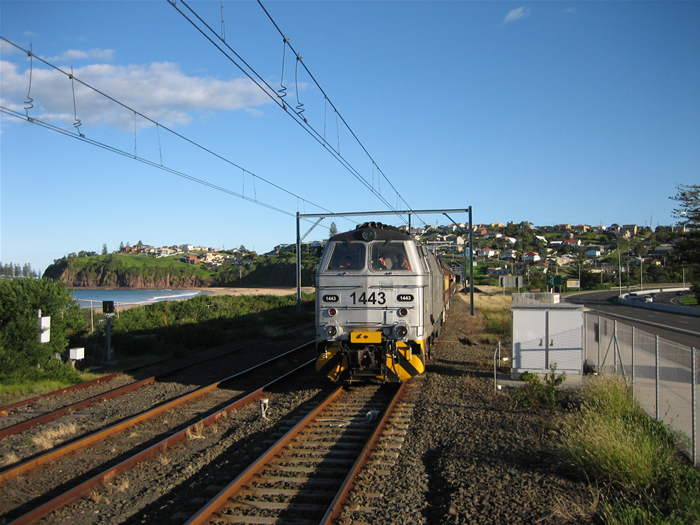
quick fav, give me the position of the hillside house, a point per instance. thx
(164, 252)
(530, 257)
(508, 255)
(497, 272)
(662, 250)
(632, 228)
(572, 242)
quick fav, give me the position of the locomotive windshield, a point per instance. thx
(347, 256)
(389, 255)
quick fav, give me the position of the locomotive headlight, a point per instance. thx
(332, 330)
(401, 331)
(368, 235)
(403, 312)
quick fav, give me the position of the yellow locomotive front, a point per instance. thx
(374, 310)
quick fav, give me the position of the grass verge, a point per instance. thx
(689, 300)
(32, 388)
(612, 443)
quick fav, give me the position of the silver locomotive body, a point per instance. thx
(380, 302)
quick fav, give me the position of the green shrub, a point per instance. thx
(611, 441)
(22, 357)
(536, 391)
(177, 327)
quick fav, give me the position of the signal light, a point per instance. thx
(403, 312)
(332, 311)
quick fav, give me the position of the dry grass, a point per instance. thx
(122, 485)
(488, 297)
(581, 510)
(195, 431)
(163, 460)
(470, 383)
(96, 497)
(493, 318)
(51, 436)
(9, 459)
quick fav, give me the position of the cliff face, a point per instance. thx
(96, 274)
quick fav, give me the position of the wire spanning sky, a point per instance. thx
(548, 112)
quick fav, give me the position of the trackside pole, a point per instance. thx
(471, 265)
(298, 266)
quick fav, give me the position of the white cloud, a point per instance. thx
(8, 49)
(516, 14)
(74, 54)
(159, 90)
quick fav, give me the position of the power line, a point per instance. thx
(73, 79)
(278, 99)
(300, 60)
(118, 151)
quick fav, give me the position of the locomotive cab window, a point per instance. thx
(389, 256)
(347, 256)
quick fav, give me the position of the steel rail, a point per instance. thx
(152, 451)
(220, 500)
(103, 434)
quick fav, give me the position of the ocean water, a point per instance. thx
(86, 298)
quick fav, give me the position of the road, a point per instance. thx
(683, 329)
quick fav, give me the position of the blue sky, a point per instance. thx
(548, 112)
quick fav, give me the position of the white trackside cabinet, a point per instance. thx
(547, 336)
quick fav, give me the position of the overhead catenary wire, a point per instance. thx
(259, 81)
(78, 123)
(118, 151)
(270, 92)
(331, 103)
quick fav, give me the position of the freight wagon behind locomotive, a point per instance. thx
(380, 302)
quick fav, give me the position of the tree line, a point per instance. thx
(17, 270)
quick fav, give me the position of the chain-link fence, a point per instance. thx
(663, 374)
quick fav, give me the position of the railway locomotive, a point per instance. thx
(380, 302)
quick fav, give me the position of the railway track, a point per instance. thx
(67, 474)
(22, 415)
(305, 477)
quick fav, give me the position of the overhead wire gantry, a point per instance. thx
(321, 216)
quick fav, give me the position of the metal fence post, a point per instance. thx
(616, 348)
(598, 367)
(694, 394)
(632, 364)
(656, 366)
(585, 338)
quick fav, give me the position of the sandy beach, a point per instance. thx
(120, 307)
